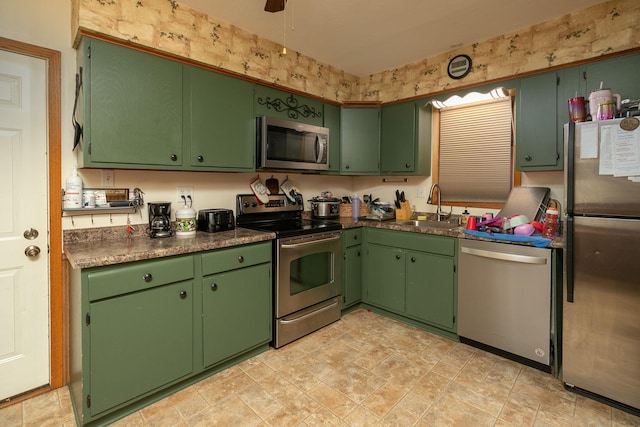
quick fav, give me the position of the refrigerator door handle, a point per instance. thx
(570, 169)
(569, 258)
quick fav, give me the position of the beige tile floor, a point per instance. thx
(364, 370)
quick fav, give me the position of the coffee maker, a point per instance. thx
(160, 219)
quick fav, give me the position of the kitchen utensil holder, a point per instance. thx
(404, 212)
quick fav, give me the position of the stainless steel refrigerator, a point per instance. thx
(601, 309)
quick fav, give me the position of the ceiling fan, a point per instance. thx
(274, 5)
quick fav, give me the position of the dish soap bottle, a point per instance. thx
(73, 191)
(464, 216)
(355, 207)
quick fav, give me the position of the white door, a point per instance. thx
(24, 283)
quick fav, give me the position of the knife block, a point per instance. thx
(404, 212)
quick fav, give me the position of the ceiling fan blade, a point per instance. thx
(274, 5)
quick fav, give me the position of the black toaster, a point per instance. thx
(213, 220)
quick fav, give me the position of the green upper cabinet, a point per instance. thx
(219, 124)
(537, 144)
(132, 107)
(360, 141)
(284, 105)
(332, 121)
(618, 74)
(398, 138)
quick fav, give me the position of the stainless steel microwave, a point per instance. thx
(284, 144)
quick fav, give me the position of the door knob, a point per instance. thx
(30, 234)
(32, 251)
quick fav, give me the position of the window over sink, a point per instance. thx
(473, 149)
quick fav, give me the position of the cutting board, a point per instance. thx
(529, 201)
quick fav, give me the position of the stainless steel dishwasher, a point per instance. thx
(504, 300)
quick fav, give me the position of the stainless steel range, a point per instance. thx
(308, 264)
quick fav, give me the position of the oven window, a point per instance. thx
(311, 271)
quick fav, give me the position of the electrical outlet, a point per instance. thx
(186, 192)
(108, 178)
(421, 192)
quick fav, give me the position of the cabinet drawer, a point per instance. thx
(352, 237)
(111, 281)
(238, 257)
(414, 241)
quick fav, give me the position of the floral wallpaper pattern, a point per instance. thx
(169, 26)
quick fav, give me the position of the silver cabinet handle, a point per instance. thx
(504, 256)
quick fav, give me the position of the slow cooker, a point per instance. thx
(325, 207)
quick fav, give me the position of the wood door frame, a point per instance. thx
(58, 375)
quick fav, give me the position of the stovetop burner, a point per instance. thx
(278, 215)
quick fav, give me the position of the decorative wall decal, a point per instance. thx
(290, 105)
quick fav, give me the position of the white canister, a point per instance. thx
(185, 222)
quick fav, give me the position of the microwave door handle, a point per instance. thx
(320, 147)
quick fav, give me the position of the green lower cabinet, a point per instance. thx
(412, 275)
(352, 267)
(236, 312)
(140, 331)
(430, 289)
(386, 281)
(139, 343)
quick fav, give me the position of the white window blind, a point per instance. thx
(476, 143)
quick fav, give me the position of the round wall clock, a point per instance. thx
(459, 66)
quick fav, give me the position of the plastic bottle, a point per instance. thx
(73, 191)
(355, 207)
(464, 216)
(550, 227)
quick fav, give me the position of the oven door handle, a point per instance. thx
(310, 242)
(313, 313)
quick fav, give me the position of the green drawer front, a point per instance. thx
(414, 241)
(238, 257)
(107, 282)
(352, 237)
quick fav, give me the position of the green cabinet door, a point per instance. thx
(284, 105)
(133, 108)
(219, 125)
(352, 281)
(537, 143)
(360, 141)
(384, 282)
(618, 74)
(431, 289)
(237, 312)
(352, 268)
(332, 122)
(139, 342)
(398, 138)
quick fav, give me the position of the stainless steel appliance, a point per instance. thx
(284, 144)
(160, 219)
(213, 220)
(601, 312)
(504, 300)
(325, 207)
(307, 257)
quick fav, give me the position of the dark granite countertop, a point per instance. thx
(87, 252)
(96, 247)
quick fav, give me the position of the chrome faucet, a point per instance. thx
(439, 213)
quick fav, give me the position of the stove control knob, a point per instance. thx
(245, 205)
(254, 204)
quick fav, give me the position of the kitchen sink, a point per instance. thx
(421, 223)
